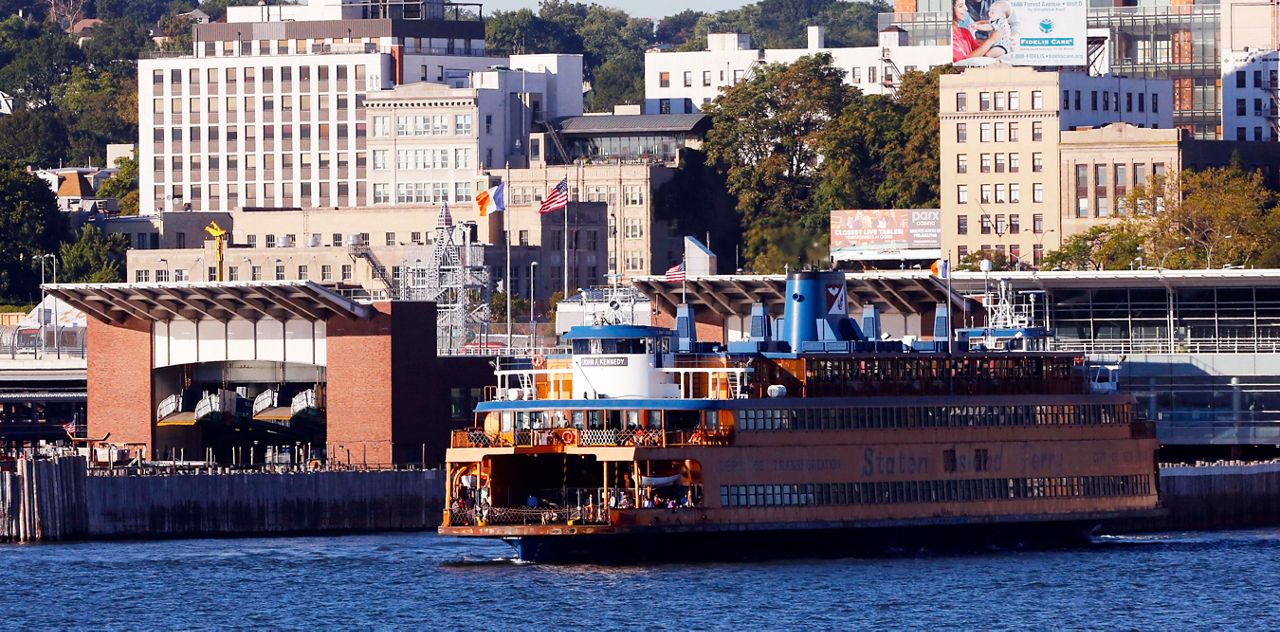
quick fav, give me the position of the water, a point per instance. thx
(1168, 581)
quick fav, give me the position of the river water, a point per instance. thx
(420, 580)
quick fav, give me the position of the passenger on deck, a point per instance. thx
(532, 502)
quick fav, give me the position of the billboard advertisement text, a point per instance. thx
(886, 229)
(1019, 32)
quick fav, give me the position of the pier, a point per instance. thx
(48, 500)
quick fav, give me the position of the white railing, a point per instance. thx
(719, 379)
(1164, 345)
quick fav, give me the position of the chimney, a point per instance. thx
(817, 37)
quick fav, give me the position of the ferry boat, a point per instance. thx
(644, 443)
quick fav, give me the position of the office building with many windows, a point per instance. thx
(1003, 133)
(268, 108)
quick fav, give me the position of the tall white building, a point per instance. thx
(268, 110)
(682, 82)
(1250, 95)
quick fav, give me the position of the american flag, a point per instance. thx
(70, 427)
(557, 198)
(676, 273)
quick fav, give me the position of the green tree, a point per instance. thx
(32, 138)
(116, 45)
(35, 57)
(1208, 218)
(94, 257)
(1104, 247)
(141, 12)
(851, 24)
(123, 186)
(30, 225)
(911, 162)
(973, 261)
(177, 31)
(855, 149)
(620, 79)
(498, 309)
(678, 28)
(767, 132)
(522, 31)
(90, 106)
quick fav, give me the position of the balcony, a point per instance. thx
(556, 439)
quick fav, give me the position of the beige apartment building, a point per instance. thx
(1002, 134)
(1099, 168)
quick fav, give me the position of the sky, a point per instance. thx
(655, 9)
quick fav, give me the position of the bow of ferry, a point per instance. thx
(643, 443)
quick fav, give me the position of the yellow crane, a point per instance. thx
(219, 236)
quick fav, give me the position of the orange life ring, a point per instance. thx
(539, 361)
(567, 436)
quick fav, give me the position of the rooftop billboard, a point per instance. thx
(1019, 32)
(860, 234)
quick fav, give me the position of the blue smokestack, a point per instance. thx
(817, 309)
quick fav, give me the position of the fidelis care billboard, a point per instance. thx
(1019, 32)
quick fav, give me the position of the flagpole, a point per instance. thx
(950, 328)
(565, 294)
(684, 276)
(506, 225)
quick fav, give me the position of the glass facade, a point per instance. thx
(1149, 38)
(629, 148)
(1177, 42)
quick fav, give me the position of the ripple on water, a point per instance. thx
(1188, 580)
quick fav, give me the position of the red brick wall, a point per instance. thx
(119, 374)
(359, 411)
(710, 326)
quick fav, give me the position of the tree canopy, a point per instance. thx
(1209, 218)
(797, 143)
(30, 225)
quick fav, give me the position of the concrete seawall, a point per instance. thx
(58, 500)
(1217, 497)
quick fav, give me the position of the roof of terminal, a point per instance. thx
(917, 291)
(631, 123)
(907, 292)
(249, 300)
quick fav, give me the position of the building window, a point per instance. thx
(984, 194)
(962, 224)
(664, 80)
(346, 272)
(302, 273)
(1002, 226)
(962, 163)
(984, 225)
(962, 133)
(984, 163)
(1000, 163)
(326, 272)
(279, 271)
(706, 78)
(688, 78)
(255, 273)
(1037, 100)
(962, 252)
(162, 276)
(1037, 131)
(984, 132)
(1100, 190)
(233, 273)
(962, 99)
(142, 276)
(962, 194)
(664, 106)
(999, 101)
(1037, 223)
(1082, 190)
(1037, 192)
(1013, 163)
(1013, 101)
(1037, 162)
(1000, 133)
(984, 101)
(1013, 132)
(1015, 221)
(1000, 197)
(1015, 193)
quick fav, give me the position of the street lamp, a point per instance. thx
(1040, 243)
(165, 263)
(1166, 255)
(533, 326)
(53, 258)
(1208, 260)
